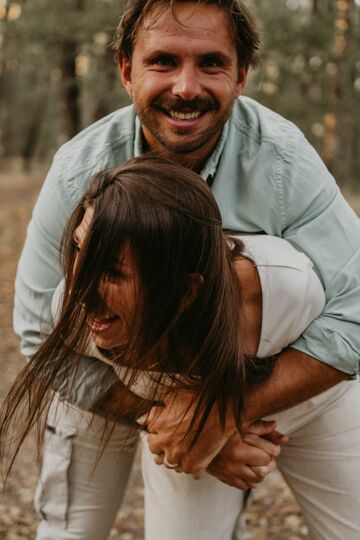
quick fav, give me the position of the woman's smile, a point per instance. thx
(111, 325)
(98, 325)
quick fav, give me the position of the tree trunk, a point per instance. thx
(315, 6)
(70, 89)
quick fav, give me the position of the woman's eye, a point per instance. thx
(114, 274)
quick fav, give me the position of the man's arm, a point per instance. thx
(296, 377)
(316, 220)
(39, 273)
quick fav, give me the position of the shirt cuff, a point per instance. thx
(91, 381)
(328, 345)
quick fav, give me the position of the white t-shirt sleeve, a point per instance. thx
(57, 300)
(292, 293)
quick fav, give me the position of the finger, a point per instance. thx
(261, 427)
(155, 445)
(159, 458)
(197, 475)
(153, 416)
(237, 483)
(263, 444)
(143, 420)
(191, 464)
(262, 472)
(248, 455)
(277, 438)
(240, 471)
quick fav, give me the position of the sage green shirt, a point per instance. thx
(266, 179)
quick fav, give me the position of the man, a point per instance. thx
(184, 70)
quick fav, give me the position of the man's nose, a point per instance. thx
(187, 84)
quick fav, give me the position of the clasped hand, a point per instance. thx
(241, 460)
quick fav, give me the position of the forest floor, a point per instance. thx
(273, 513)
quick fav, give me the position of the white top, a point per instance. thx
(292, 296)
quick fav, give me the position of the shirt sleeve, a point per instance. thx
(37, 276)
(318, 221)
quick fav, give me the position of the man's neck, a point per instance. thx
(194, 160)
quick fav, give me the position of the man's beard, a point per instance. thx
(188, 144)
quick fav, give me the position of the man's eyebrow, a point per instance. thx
(217, 54)
(159, 52)
(209, 54)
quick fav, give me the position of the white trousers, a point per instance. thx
(81, 487)
(321, 464)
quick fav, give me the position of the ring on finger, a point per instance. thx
(169, 465)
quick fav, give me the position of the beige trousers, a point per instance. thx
(81, 488)
(321, 464)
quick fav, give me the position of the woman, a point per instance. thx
(152, 287)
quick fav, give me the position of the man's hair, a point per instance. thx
(242, 26)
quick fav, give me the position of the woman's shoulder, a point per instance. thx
(292, 295)
(273, 251)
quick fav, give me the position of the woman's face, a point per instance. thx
(119, 291)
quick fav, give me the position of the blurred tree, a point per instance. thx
(57, 74)
(57, 53)
(310, 73)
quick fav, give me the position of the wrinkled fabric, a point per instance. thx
(265, 177)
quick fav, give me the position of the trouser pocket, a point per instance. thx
(52, 492)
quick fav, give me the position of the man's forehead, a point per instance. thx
(186, 20)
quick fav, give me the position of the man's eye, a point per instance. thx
(211, 63)
(164, 61)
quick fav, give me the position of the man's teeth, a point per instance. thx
(184, 116)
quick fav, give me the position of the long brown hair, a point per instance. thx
(169, 218)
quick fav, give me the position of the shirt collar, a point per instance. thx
(209, 169)
(138, 144)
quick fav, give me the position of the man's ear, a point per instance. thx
(124, 64)
(242, 77)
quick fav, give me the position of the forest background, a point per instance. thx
(57, 74)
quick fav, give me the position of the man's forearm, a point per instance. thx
(119, 403)
(296, 378)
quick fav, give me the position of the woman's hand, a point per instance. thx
(170, 437)
(247, 459)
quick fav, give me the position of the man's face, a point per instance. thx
(183, 78)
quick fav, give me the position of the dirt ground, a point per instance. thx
(273, 514)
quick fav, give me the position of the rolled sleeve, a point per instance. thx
(319, 222)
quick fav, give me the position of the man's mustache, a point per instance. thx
(181, 105)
